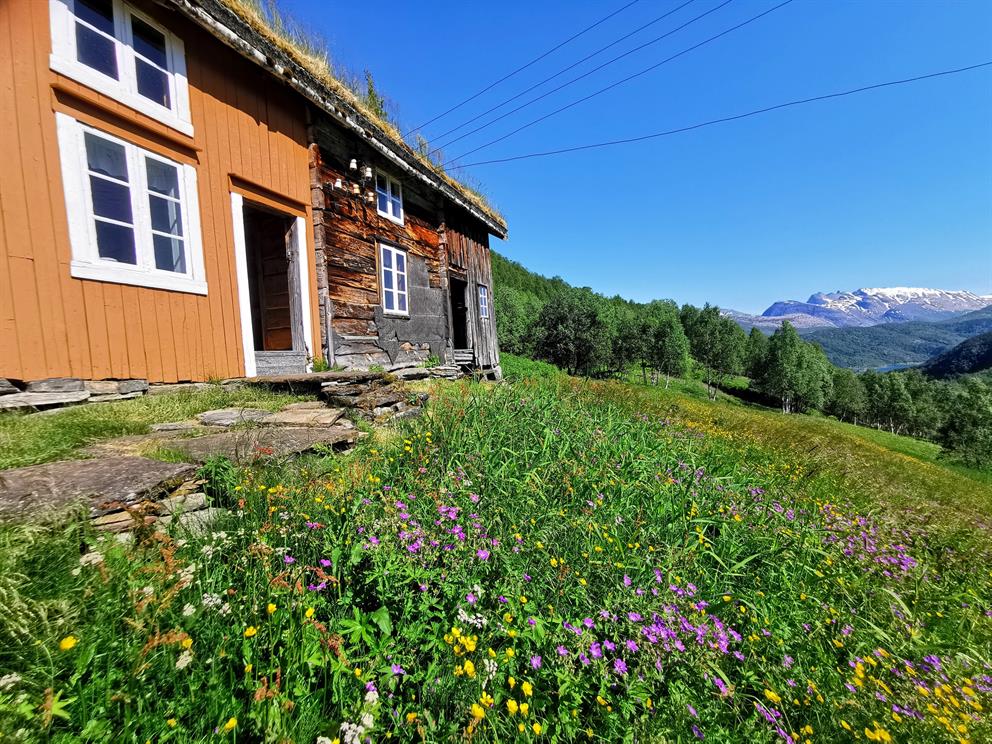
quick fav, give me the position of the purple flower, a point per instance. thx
(471, 598)
(325, 563)
(596, 651)
(631, 646)
(697, 732)
(626, 580)
(609, 646)
(482, 554)
(588, 622)
(619, 666)
(398, 670)
(562, 651)
(535, 662)
(288, 559)
(526, 577)
(692, 711)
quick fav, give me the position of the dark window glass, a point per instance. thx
(166, 215)
(97, 13)
(115, 242)
(149, 42)
(403, 303)
(389, 301)
(387, 279)
(106, 157)
(169, 254)
(96, 51)
(162, 178)
(111, 200)
(153, 84)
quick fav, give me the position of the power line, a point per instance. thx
(570, 67)
(621, 82)
(725, 119)
(524, 67)
(583, 75)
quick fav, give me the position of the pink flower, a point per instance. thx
(535, 662)
(482, 554)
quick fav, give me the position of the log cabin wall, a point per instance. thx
(249, 136)
(348, 233)
(468, 260)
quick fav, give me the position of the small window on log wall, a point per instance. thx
(394, 289)
(389, 197)
(483, 301)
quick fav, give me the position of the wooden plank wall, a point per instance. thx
(469, 258)
(246, 124)
(349, 230)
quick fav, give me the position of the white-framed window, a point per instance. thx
(112, 48)
(394, 286)
(483, 301)
(389, 197)
(133, 215)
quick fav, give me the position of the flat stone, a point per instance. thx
(306, 417)
(113, 396)
(409, 413)
(7, 387)
(247, 445)
(176, 426)
(35, 401)
(382, 398)
(101, 387)
(306, 405)
(232, 416)
(56, 385)
(413, 373)
(104, 485)
(185, 503)
(196, 522)
(132, 386)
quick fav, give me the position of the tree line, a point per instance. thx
(588, 334)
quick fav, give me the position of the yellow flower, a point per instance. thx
(510, 653)
(309, 613)
(511, 681)
(521, 728)
(271, 608)
(524, 709)
(250, 631)
(528, 690)
(358, 672)
(523, 599)
(411, 717)
(171, 723)
(511, 705)
(478, 712)
(231, 723)
(68, 642)
(583, 582)
(536, 728)
(469, 668)
(187, 643)
(248, 668)
(773, 697)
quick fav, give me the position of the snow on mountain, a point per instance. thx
(866, 307)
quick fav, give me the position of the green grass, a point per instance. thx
(630, 563)
(517, 368)
(34, 439)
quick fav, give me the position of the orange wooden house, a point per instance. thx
(158, 176)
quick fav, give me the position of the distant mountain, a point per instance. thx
(895, 344)
(972, 355)
(865, 307)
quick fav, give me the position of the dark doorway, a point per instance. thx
(459, 314)
(267, 245)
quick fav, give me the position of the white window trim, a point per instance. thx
(484, 294)
(63, 61)
(383, 247)
(390, 182)
(86, 262)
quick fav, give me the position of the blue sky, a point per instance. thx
(889, 188)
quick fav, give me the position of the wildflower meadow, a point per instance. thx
(544, 559)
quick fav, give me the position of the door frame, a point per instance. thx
(298, 240)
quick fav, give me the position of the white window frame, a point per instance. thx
(394, 251)
(125, 90)
(484, 299)
(394, 190)
(86, 261)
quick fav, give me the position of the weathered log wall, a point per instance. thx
(468, 259)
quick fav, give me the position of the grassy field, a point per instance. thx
(30, 440)
(544, 559)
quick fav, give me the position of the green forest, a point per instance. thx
(588, 334)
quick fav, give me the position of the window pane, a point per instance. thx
(387, 258)
(169, 254)
(111, 200)
(153, 84)
(397, 207)
(387, 279)
(162, 177)
(96, 51)
(389, 300)
(401, 282)
(166, 215)
(383, 204)
(97, 13)
(401, 262)
(403, 303)
(106, 157)
(148, 42)
(115, 242)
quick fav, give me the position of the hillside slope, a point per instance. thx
(973, 355)
(898, 343)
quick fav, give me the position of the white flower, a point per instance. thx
(9, 680)
(184, 660)
(225, 609)
(367, 721)
(92, 558)
(188, 610)
(323, 740)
